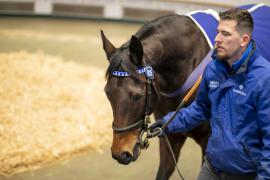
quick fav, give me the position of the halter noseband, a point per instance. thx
(149, 74)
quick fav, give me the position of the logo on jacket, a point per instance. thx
(213, 84)
(241, 86)
(240, 90)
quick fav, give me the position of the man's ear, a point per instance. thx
(136, 51)
(107, 45)
(245, 40)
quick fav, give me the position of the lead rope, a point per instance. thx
(173, 156)
(160, 130)
(186, 98)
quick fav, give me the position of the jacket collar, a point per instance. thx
(241, 65)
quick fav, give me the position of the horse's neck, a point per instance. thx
(175, 56)
(174, 46)
(174, 72)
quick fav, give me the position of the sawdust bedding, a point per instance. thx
(50, 109)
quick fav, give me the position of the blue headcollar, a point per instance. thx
(147, 70)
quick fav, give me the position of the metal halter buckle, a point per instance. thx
(147, 120)
(143, 140)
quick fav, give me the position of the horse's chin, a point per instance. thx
(136, 152)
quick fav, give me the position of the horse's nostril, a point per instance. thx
(126, 156)
(123, 158)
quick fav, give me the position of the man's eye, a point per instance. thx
(225, 33)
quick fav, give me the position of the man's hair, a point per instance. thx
(242, 17)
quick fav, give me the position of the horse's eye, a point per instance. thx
(136, 97)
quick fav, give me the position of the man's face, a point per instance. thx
(228, 40)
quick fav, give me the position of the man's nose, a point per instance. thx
(218, 38)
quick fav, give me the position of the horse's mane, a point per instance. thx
(118, 60)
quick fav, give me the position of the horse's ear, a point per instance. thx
(107, 45)
(136, 51)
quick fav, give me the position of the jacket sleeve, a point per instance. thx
(192, 116)
(263, 110)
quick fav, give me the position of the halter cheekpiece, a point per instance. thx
(149, 74)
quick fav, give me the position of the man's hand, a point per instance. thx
(158, 123)
(156, 127)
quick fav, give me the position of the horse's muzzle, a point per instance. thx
(126, 157)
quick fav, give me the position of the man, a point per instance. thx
(234, 95)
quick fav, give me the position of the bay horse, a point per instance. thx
(173, 46)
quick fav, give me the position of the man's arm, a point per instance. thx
(192, 116)
(264, 123)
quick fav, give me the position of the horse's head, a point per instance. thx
(126, 89)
